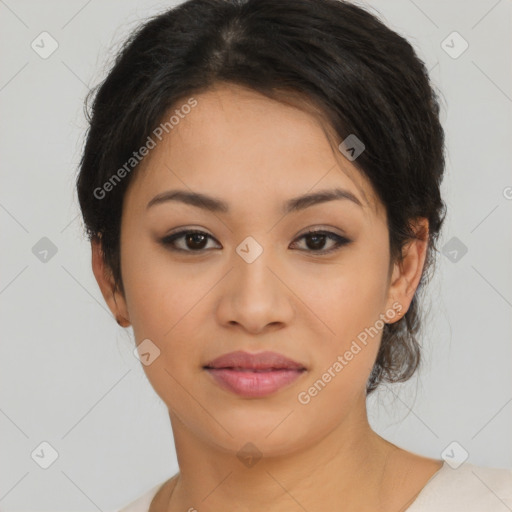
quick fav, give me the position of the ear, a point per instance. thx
(407, 273)
(113, 297)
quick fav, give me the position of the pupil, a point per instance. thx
(318, 241)
(197, 240)
(194, 237)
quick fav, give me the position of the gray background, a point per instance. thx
(68, 375)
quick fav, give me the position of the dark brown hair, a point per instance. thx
(363, 77)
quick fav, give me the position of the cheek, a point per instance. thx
(164, 304)
(346, 301)
(345, 295)
(350, 307)
(158, 292)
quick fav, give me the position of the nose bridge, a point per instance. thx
(254, 296)
(252, 262)
(250, 250)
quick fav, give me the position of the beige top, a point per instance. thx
(469, 488)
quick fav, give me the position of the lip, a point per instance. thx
(254, 375)
(257, 361)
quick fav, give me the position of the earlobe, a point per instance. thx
(114, 299)
(121, 320)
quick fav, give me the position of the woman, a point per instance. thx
(261, 188)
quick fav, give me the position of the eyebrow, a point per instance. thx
(213, 204)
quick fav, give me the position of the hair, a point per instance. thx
(359, 75)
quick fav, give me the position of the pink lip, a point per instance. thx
(257, 361)
(253, 383)
(254, 375)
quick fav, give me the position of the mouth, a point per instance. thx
(254, 383)
(254, 375)
(252, 370)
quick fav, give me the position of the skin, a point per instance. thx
(256, 153)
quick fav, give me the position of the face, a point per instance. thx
(252, 278)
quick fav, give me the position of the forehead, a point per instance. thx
(236, 142)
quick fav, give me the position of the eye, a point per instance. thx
(316, 241)
(193, 240)
(196, 241)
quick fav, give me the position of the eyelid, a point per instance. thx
(181, 232)
(320, 227)
(339, 239)
(323, 227)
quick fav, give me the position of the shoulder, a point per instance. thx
(142, 503)
(469, 488)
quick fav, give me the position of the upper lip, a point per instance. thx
(258, 361)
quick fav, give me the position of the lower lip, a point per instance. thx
(254, 384)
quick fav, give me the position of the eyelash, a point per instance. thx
(339, 240)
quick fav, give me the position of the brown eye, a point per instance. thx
(192, 241)
(316, 241)
(196, 241)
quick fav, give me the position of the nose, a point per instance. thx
(255, 297)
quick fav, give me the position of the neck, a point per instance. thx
(346, 466)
